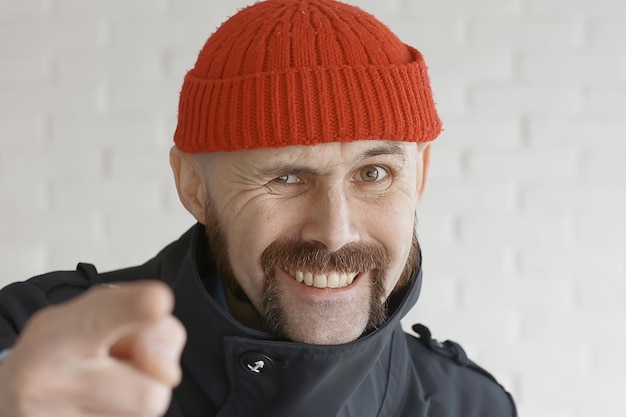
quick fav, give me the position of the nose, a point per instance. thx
(331, 219)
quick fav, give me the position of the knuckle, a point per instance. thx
(153, 397)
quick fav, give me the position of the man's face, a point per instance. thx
(317, 237)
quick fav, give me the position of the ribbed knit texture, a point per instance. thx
(304, 72)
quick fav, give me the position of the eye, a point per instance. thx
(371, 173)
(288, 179)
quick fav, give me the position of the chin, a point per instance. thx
(326, 336)
(321, 326)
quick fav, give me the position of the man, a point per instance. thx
(302, 149)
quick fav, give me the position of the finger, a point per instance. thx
(96, 320)
(154, 349)
(112, 387)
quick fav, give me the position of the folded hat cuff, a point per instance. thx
(307, 106)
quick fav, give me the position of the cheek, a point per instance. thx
(393, 227)
(251, 231)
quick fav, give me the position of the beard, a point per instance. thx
(307, 256)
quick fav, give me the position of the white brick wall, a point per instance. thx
(523, 222)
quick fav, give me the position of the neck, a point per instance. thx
(243, 310)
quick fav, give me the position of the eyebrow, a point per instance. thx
(388, 148)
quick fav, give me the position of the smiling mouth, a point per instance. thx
(323, 280)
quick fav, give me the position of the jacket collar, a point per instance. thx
(222, 356)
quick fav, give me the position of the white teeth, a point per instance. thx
(343, 280)
(320, 281)
(333, 280)
(330, 280)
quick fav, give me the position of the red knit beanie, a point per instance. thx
(304, 72)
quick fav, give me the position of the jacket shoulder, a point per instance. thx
(447, 372)
(20, 300)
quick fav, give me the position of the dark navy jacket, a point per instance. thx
(231, 370)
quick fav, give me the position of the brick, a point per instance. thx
(519, 294)
(206, 10)
(107, 254)
(381, 9)
(171, 201)
(526, 98)
(576, 197)
(571, 326)
(23, 131)
(102, 255)
(25, 67)
(468, 260)
(604, 361)
(601, 132)
(526, 32)
(179, 61)
(16, 9)
(61, 165)
(602, 165)
(474, 197)
(444, 164)
(606, 99)
(607, 34)
(26, 193)
(41, 34)
(530, 409)
(472, 64)
(133, 97)
(471, 326)
(577, 7)
(573, 66)
(593, 295)
(609, 230)
(170, 33)
(450, 95)
(418, 31)
(594, 394)
(433, 227)
(576, 262)
(51, 228)
(471, 132)
(42, 97)
(439, 294)
(522, 231)
(566, 360)
(146, 232)
(105, 195)
(141, 164)
(464, 8)
(122, 131)
(166, 126)
(526, 165)
(20, 261)
(117, 64)
(114, 8)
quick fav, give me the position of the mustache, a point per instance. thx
(314, 257)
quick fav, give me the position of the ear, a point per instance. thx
(424, 155)
(189, 183)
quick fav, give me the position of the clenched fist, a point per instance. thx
(109, 352)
